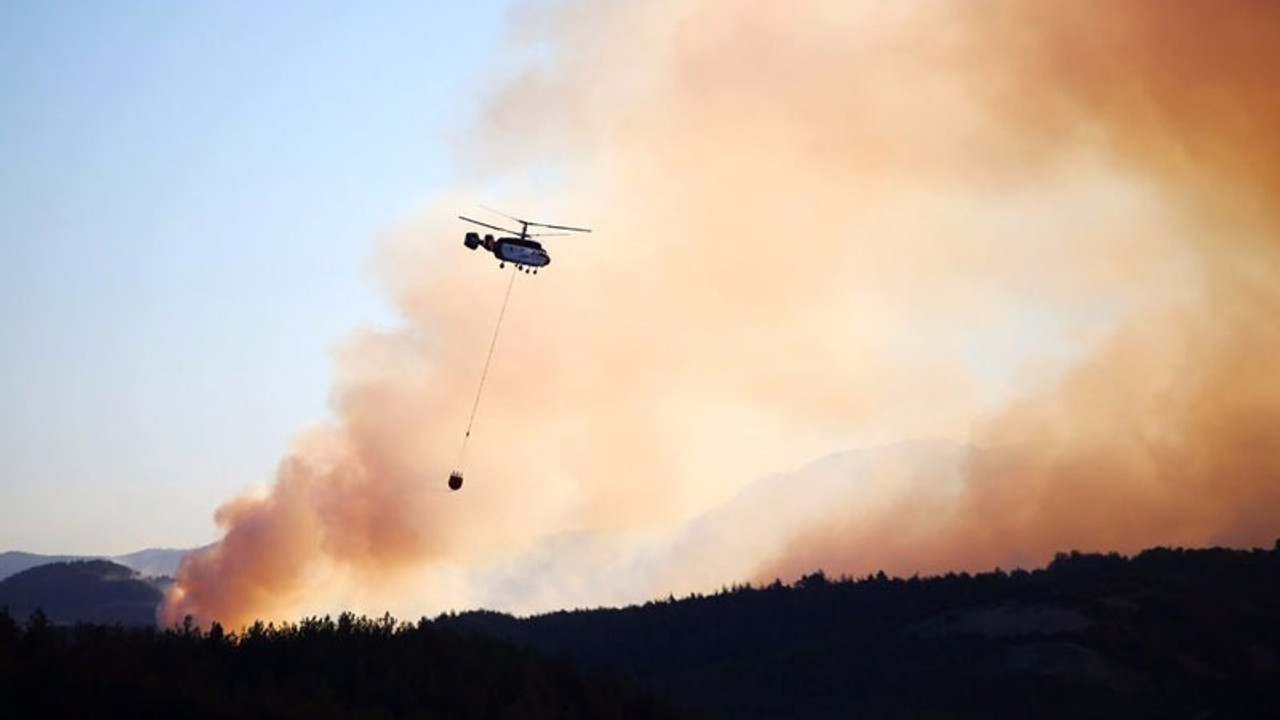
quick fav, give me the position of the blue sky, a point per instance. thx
(190, 195)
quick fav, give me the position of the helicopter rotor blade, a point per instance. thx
(505, 215)
(559, 227)
(485, 224)
(530, 223)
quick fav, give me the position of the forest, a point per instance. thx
(350, 667)
(1167, 633)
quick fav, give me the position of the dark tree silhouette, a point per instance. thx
(354, 667)
(1168, 633)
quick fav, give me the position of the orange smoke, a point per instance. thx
(1045, 231)
(1167, 433)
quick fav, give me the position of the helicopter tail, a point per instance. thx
(473, 241)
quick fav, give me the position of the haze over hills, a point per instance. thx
(589, 568)
(152, 562)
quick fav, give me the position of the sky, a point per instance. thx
(189, 198)
(915, 287)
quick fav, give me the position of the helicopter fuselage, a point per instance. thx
(519, 251)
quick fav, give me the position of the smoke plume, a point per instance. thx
(1165, 432)
(1041, 232)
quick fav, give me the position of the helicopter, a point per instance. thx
(518, 248)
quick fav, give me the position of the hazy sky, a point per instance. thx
(189, 197)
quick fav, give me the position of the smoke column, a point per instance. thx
(1166, 432)
(1041, 232)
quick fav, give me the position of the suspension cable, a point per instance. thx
(485, 373)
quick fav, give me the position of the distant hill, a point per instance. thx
(15, 562)
(153, 562)
(1167, 633)
(82, 591)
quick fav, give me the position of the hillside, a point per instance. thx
(1167, 633)
(13, 562)
(89, 591)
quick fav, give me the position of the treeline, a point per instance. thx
(1168, 633)
(349, 667)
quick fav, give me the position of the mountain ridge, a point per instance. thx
(149, 562)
